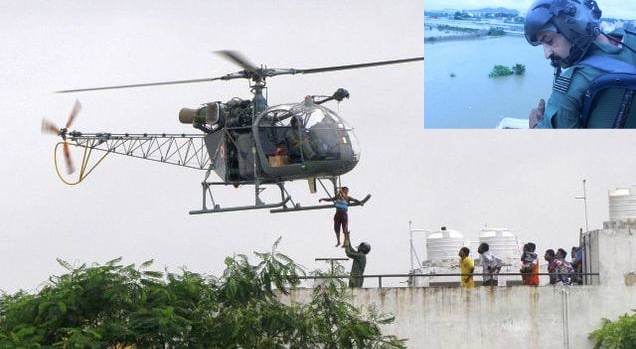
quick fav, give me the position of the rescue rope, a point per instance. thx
(82, 173)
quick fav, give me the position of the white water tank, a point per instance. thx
(622, 204)
(443, 245)
(501, 241)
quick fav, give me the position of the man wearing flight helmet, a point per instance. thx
(359, 262)
(571, 36)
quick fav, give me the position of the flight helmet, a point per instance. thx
(577, 20)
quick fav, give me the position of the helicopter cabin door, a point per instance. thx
(215, 144)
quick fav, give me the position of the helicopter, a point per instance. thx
(243, 141)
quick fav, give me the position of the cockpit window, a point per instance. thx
(304, 132)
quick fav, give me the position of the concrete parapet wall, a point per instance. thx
(612, 253)
(621, 224)
(495, 317)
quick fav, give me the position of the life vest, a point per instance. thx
(608, 100)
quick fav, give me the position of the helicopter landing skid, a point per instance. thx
(218, 208)
(258, 203)
(297, 207)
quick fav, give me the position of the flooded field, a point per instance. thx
(458, 92)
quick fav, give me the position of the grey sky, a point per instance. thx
(610, 8)
(137, 209)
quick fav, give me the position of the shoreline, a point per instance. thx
(459, 37)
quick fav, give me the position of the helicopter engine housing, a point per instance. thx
(236, 113)
(208, 114)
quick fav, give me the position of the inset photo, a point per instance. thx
(543, 64)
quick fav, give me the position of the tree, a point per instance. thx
(115, 306)
(495, 31)
(620, 334)
(519, 69)
(502, 70)
(499, 70)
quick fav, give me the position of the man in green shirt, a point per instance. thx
(359, 258)
(298, 144)
(570, 33)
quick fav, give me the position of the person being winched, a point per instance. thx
(359, 258)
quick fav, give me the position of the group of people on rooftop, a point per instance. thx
(560, 270)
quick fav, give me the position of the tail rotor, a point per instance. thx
(49, 127)
(76, 109)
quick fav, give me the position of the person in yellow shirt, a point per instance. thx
(466, 266)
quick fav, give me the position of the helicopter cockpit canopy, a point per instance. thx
(306, 134)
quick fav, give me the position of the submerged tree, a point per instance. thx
(502, 70)
(495, 32)
(519, 69)
(117, 306)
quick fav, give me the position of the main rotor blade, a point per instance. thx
(237, 58)
(250, 72)
(76, 109)
(354, 66)
(140, 85)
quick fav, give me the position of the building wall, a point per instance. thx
(615, 253)
(495, 317)
(520, 317)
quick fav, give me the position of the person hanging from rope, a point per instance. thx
(340, 219)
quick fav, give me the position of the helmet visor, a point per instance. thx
(536, 21)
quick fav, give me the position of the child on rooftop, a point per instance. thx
(528, 262)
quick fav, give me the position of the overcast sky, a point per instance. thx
(464, 179)
(610, 8)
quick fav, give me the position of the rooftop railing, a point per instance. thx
(411, 278)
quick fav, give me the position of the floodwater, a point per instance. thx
(458, 92)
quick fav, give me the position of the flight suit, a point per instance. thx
(297, 145)
(357, 268)
(563, 109)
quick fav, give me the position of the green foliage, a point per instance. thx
(519, 69)
(502, 70)
(116, 306)
(495, 32)
(449, 28)
(330, 305)
(620, 334)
